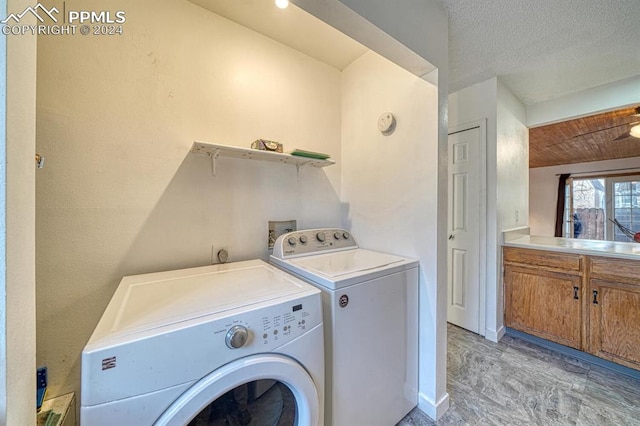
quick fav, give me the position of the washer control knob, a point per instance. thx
(320, 236)
(291, 241)
(303, 239)
(336, 235)
(237, 336)
(345, 235)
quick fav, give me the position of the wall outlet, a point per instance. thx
(517, 216)
(220, 253)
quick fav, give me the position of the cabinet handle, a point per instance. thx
(595, 297)
(575, 293)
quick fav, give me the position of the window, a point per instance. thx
(624, 206)
(590, 202)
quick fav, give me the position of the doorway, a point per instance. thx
(466, 259)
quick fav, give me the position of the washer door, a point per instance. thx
(260, 390)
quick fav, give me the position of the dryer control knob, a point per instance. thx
(291, 241)
(303, 239)
(320, 236)
(237, 336)
(337, 235)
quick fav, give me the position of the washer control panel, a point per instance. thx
(313, 241)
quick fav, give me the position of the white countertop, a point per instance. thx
(577, 246)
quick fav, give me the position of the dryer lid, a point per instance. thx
(338, 264)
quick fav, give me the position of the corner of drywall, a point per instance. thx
(19, 234)
(512, 185)
(506, 98)
(373, 24)
(473, 103)
(3, 218)
(495, 335)
(435, 410)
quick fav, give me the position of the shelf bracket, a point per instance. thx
(214, 156)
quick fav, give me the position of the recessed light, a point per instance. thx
(282, 4)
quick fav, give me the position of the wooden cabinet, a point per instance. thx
(544, 295)
(614, 310)
(590, 303)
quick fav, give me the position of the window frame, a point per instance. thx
(609, 182)
(610, 201)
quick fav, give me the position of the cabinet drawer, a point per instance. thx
(545, 259)
(615, 269)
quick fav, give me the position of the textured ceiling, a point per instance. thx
(543, 49)
(584, 139)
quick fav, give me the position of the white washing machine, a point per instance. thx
(239, 343)
(370, 302)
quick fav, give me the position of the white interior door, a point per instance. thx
(465, 211)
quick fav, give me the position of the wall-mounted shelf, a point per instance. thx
(217, 150)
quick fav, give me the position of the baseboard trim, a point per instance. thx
(574, 353)
(495, 336)
(432, 409)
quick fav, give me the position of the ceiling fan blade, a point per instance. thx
(609, 128)
(623, 136)
(600, 130)
(628, 133)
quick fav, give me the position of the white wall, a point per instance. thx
(17, 289)
(390, 182)
(120, 194)
(470, 105)
(512, 193)
(543, 188)
(602, 98)
(507, 175)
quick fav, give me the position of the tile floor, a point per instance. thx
(515, 382)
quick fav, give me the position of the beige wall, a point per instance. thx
(18, 328)
(120, 194)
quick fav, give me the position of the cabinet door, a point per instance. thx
(614, 322)
(545, 304)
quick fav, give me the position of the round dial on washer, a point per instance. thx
(345, 235)
(336, 235)
(291, 241)
(320, 236)
(303, 239)
(236, 337)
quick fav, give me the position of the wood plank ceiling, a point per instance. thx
(584, 139)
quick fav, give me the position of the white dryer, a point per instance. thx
(238, 343)
(370, 304)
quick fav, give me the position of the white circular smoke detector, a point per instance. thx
(386, 122)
